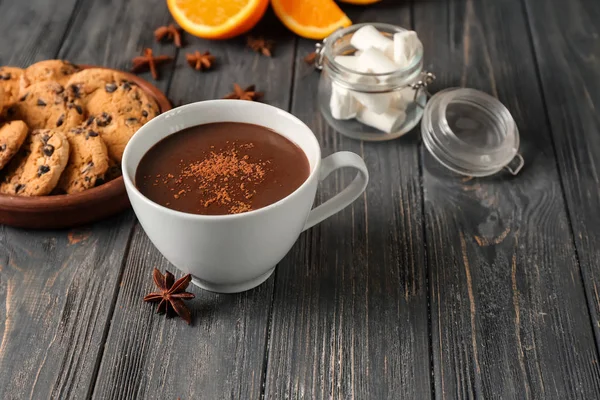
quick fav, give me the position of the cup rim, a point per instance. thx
(238, 103)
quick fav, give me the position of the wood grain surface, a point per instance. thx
(430, 285)
(507, 301)
(567, 45)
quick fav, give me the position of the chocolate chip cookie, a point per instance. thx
(44, 105)
(88, 161)
(12, 136)
(36, 168)
(85, 82)
(9, 81)
(48, 70)
(117, 114)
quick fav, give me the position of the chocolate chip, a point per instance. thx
(144, 113)
(77, 130)
(43, 169)
(79, 110)
(5, 77)
(129, 121)
(92, 134)
(90, 121)
(110, 87)
(126, 86)
(87, 179)
(11, 111)
(60, 120)
(76, 90)
(136, 96)
(48, 150)
(19, 187)
(24, 97)
(104, 119)
(3, 147)
(41, 103)
(45, 138)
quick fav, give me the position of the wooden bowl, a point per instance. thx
(68, 210)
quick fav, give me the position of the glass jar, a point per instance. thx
(467, 131)
(340, 88)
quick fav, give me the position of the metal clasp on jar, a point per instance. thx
(319, 54)
(421, 85)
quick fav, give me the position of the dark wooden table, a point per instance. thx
(429, 286)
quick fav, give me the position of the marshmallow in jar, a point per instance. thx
(366, 86)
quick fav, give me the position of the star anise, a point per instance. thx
(260, 45)
(149, 61)
(310, 58)
(200, 61)
(249, 93)
(170, 32)
(171, 295)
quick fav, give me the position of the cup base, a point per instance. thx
(233, 288)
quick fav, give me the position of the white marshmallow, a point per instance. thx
(350, 62)
(406, 45)
(403, 98)
(375, 60)
(368, 37)
(376, 102)
(342, 104)
(388, 122)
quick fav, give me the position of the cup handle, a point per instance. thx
(346, 196)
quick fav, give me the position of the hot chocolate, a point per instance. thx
(221, 168)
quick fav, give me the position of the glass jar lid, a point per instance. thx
(471, 133)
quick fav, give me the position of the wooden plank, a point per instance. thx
(34, 30)
(567, 44)
(57, 290)
(222, 354)
(350, 305)
(111, 33)
(59, 287)
(509, 316)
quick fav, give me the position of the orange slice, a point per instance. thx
(360, 2)
(217, 19)
(312, 19)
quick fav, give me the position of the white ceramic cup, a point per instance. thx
(233, 253)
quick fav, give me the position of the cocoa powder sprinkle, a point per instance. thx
(211, 177)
